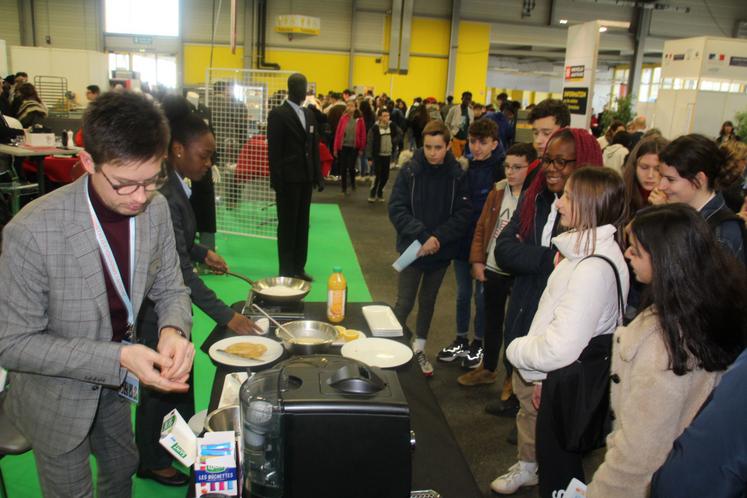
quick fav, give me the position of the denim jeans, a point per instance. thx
(465, 284)
(423, 285)
(363, 165)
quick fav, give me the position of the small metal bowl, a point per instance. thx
(227, 418)
(309, 336)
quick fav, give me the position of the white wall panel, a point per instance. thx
(9, 24)
(198, 18)
(504, 11)
(432, 8)
(368, 35)
(335, 24)
(68, 23)
(699, 22)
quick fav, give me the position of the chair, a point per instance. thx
(16, 189)
(11, 443)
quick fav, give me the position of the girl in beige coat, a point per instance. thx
(669, 359)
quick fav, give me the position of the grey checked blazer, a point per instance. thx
(55, 328)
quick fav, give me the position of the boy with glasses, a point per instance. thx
(76, 266)
(499, 207)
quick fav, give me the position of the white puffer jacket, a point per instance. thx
(579, 302)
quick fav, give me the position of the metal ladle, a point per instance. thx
(288, 335)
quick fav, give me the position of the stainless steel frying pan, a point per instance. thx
(261, 286)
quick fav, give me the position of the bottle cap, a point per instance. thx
(337, 269)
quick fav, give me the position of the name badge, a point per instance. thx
(311, 128)
(130, 388)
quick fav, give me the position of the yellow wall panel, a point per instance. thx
(329, 71)
(197, 60)
(472, 60)
(431, 36)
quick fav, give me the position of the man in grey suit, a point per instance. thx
(76, 266)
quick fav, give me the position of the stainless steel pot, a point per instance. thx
(308, 336)
(261, 286)
(227, 418)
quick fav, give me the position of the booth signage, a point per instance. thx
(574, 72)
(142, 40)
(576, 99)
(738, 61)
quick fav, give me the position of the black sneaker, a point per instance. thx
(456, 349)
(473, 356)
(508, 408)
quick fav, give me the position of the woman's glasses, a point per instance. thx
(558, 161)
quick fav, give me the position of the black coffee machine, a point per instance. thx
(326, 427)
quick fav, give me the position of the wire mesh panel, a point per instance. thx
(53, 92)
(239, 101)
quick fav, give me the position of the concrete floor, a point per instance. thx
(482, 437)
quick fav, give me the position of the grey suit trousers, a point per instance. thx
(110, 441)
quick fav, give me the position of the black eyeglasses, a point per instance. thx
(559, 161)
(151, 185)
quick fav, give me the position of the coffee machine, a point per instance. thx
(326, 426)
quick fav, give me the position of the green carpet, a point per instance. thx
(329, 245)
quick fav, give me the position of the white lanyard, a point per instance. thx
(111, 263)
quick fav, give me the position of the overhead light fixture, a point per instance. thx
(563, 21)
(602, 29)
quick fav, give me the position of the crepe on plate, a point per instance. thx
(249, 350)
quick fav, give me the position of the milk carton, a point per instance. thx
(215, 464)
(178, 438)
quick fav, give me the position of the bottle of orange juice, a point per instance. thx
(337, 290)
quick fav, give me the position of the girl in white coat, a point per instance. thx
(579, 303)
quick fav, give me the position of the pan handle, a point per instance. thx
(242, 277)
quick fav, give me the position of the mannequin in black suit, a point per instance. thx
(293, 146)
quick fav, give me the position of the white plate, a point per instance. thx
(274, 351)
(377, 352)
(381, 321)
(341, 342)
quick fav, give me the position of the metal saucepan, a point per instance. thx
(227, 418)
(308, 336)
(264, 287)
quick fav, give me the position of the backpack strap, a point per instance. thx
(620, 301)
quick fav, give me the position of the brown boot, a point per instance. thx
(477, 377)
(507, 389)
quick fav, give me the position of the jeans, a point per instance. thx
(363, 167)
(464, 283)
(496, 288)
(348, 157)
(409, 286)
(381, 169)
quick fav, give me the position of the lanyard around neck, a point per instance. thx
(111, 264)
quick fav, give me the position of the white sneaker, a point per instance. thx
(518, 475)
(423, 363)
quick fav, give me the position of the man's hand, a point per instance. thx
(657, 197)
(478, 271)
(181, 352)
(431, 246)
(145, 364)
(243, 325)
(215, 262)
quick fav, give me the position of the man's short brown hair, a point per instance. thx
(483, 128)
(437, 127)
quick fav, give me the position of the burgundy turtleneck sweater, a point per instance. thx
(117, 230)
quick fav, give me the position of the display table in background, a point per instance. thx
(438, 462)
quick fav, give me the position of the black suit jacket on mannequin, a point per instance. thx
(294, 170)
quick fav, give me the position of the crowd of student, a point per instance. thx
(549, 229)
(543, 238)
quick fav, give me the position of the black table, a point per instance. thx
(438, 462)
